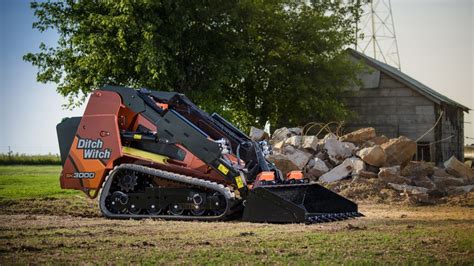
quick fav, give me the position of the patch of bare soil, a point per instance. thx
(463, 200)
(375, 191)
(366, 190)
(74, 206)
(408, 235)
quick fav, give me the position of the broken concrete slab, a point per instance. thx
(392, 175)
(294, 141)
(316, 168)
(257, 134)
(456, 168)
(374, 155)
(399, 151)
(408, 189)
(350, 166)
(357, 165)
(290, 161)
(339, 172)
(310, 143)
(360, 135)
(418, 168)
(338, 151)
(278, 146)
(280, 134)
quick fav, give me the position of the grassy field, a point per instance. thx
(26, 181)
(48, 230)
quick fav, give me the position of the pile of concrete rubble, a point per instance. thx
(364, 166)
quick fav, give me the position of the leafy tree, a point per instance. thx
(252, 61)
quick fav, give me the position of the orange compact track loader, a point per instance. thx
(150, 154)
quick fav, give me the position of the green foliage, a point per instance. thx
(23, 159)
(252, 61)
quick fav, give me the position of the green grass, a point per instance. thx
(26, 181)
(23, 159)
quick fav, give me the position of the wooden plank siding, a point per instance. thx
(392, 109)
(396, 104)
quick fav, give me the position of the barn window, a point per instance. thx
(423, 152)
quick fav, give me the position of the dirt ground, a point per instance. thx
(40, 223)
(70, 230)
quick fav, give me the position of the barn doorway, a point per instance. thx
(423, 151)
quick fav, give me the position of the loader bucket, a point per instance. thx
(298, 203)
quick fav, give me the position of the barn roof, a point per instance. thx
(407, 80)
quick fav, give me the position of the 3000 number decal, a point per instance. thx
(84, 175)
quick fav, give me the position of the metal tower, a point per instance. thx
(376, 36)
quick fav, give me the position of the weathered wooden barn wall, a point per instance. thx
(448, 140)
(396, 105)
(392, 109)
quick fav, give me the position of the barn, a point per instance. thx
(396, 104)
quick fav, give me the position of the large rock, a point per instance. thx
(294, 141)
(316, 168)
(310, 143)
(456, 168)
(350, 166)
(280, 134)
(379, 140)
(257, 134)
(290, 161)
(360, 135)
(418, 168)
(278, 146)
(374, 155)
(392, 175)
(338, 151)
(399, 151)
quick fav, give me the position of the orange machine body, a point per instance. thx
(97, 146)
(155, 154)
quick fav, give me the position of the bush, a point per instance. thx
(24, 159)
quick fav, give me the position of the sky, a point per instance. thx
(435, 40)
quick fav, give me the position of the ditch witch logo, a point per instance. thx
(93, 149)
